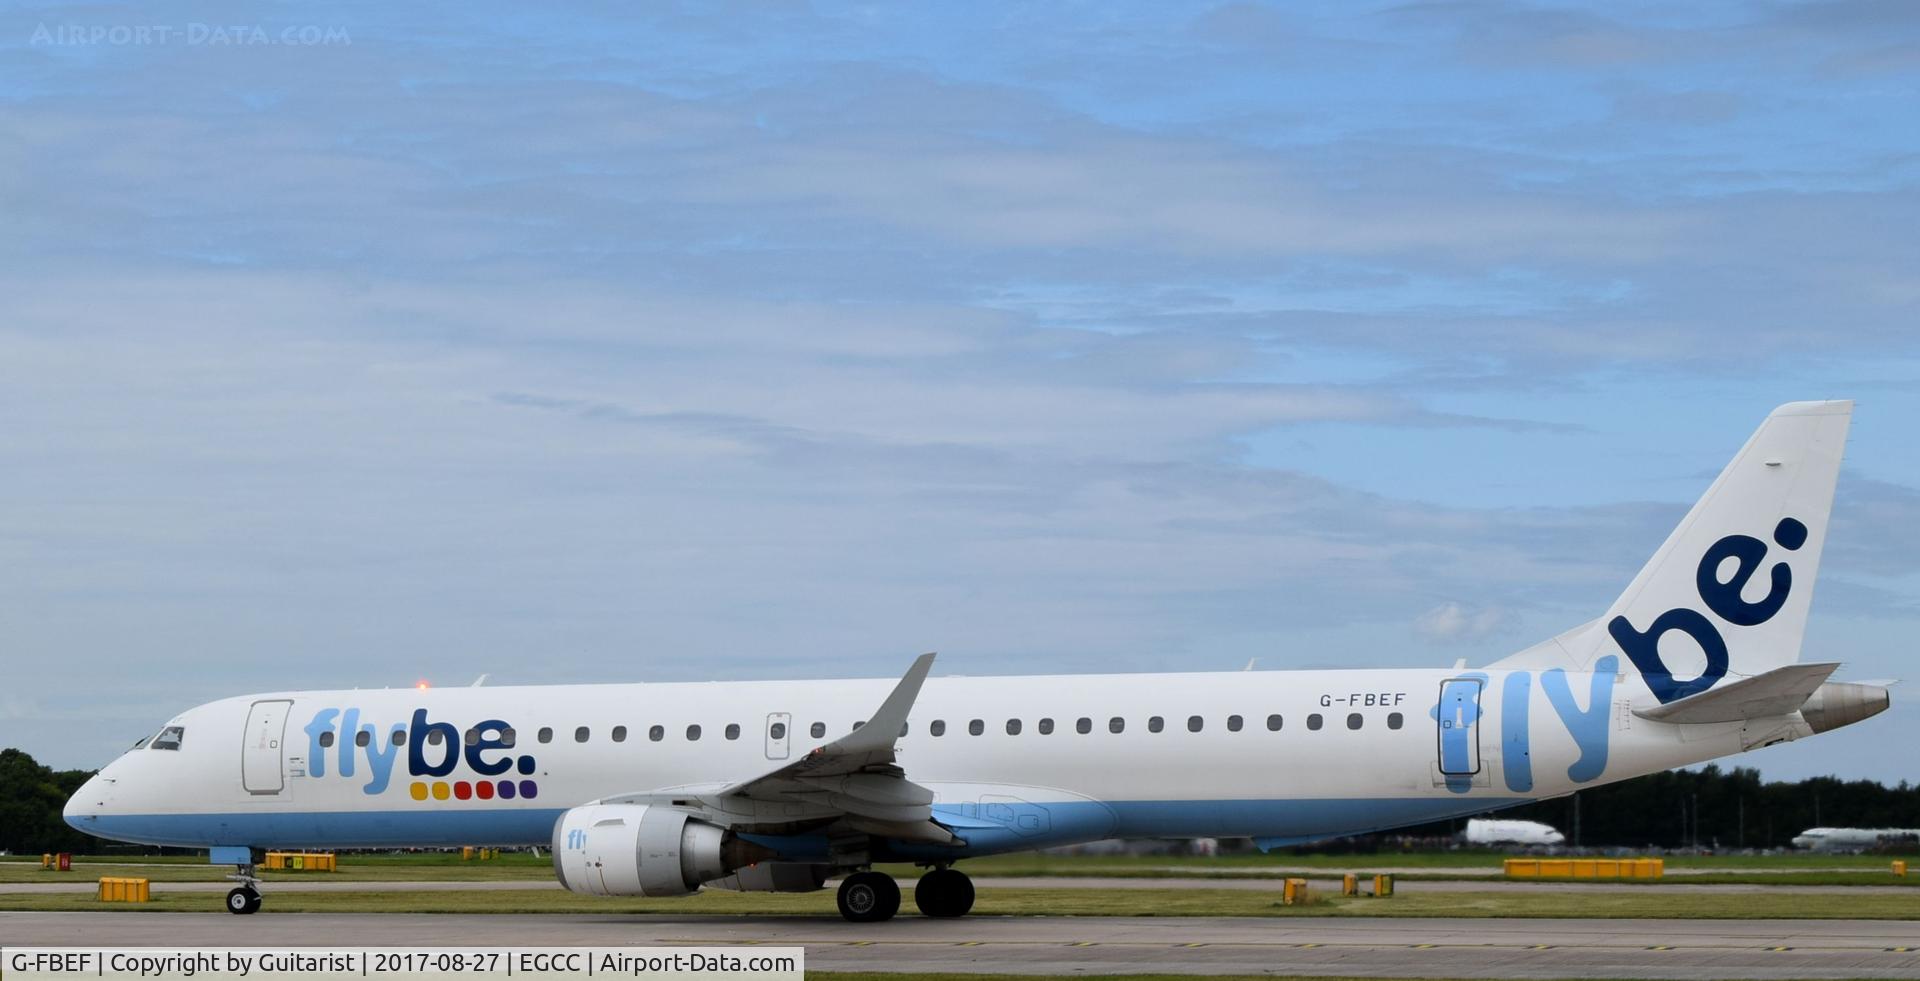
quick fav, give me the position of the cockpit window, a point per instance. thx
(169, 738)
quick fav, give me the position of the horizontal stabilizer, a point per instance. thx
(1776, 692)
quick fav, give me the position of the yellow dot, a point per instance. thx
(418, 790)
(440, 790)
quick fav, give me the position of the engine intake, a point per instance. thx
(644, 850)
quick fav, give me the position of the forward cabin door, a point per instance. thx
(779, 735)
(1459, 725)
(260, 756)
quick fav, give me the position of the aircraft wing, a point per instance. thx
(854, 779)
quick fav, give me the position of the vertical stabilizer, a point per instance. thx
(1728, 592)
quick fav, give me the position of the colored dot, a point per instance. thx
(1790, 534)
(525, 765)
(462, 789)
(418, 790)
(506, 790)
(483, 789)
(528, 791)
(440, 790)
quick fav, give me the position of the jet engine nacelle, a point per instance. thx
(643, 850)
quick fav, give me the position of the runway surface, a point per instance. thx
(1479, 948)
(274, 885)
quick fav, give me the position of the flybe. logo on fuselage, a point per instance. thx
(338, 743)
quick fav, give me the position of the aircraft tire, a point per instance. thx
(944, 893)
(869, 897)
(243, 900)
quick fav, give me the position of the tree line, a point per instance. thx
(1709, 808)
(1712, 808)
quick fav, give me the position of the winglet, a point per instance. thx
(883, 728)
(869, 746)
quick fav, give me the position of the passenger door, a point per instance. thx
(1459, 726)
(261, 770)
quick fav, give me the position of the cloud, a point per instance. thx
(1450, 622)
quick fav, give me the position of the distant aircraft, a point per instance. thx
(1486, 831)
(658, 789)
(1855, 839)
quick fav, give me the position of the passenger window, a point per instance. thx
(1083, 726)
(1273, 723)
(434, 738)
(1013, 727)
(1155, 723)
(170, 737)
(976, 727)
(580, 735)
(619, 734)
(1194, 723)
(1354, 720)
(362, 738)
(733, 730)
(818, 730)
(1313, 722)
(326, 741)
(937, 727)
(400, 736)
(507, 737)
(657, 733)
(777, 731)
(1116, 725)
(1046, 727)
(1234, 723)
(1394, 720)
(546, 734)
(693, 733)
(472, 737)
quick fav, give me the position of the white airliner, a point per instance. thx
(1486, 831)
(1854, 839)
(659, 789)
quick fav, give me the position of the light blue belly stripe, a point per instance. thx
(987, 829)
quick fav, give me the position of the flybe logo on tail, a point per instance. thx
(431, 749)
(1642, 647)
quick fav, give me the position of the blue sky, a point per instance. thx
(780, 340)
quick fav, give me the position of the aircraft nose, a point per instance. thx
(88, 803)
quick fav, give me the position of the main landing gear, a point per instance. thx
(944, 893)
(246, 897)
(871, 897)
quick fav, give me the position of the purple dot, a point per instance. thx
(506, 790)
(528, 789)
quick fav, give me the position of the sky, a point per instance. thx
(619, 342)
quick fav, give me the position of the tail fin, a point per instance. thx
(1728, 592)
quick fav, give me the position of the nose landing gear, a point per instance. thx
(244, 898)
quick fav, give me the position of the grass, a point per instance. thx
(958, 976)
(1781, 870)
(1652, 903)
